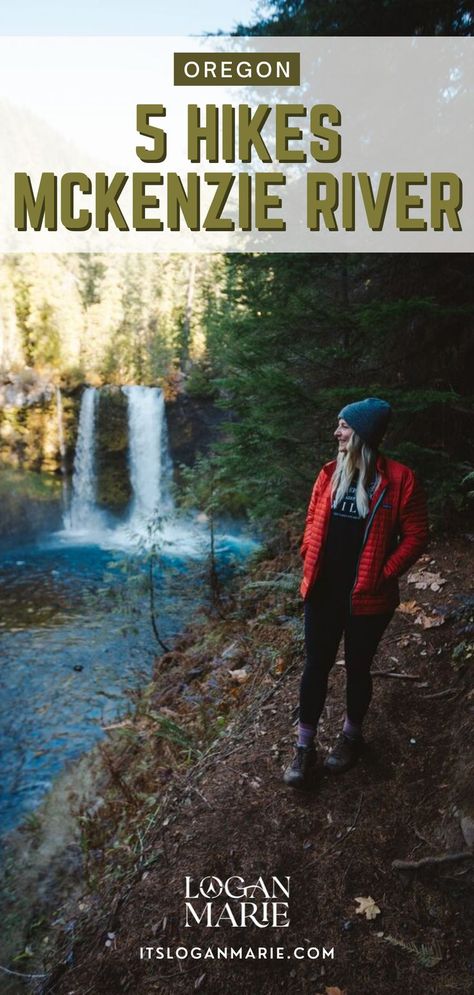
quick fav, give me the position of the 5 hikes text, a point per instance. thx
(290, 137)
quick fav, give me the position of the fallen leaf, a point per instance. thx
(335, 991)
(423, 579)
(429, 621)
(239, 675)
(408, 607)
(367, 907)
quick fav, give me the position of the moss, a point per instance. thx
(113, 483)
(31, 502)
(25, 484)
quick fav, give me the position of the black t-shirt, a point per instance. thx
(343, 545)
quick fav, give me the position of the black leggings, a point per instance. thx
(325, 621)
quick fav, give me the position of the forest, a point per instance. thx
(279, 342)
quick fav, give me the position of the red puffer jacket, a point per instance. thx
(396, 534)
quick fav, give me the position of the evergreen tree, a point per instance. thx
(366, 17)
(293, 338)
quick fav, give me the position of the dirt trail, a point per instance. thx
(408, 798)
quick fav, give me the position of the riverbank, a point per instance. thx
(42, 867)
(194, 788)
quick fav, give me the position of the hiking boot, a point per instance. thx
(298, 773)
(345, 753)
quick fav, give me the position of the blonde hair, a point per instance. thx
(358, 456)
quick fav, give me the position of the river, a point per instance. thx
(75, 630)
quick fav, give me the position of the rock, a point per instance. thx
(192, 427)
(24, 389)
(467, 829)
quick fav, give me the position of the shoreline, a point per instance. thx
(42, 867)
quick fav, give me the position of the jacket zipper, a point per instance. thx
(364, 540)
(326, 529)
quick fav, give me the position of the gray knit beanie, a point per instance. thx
(369, 418)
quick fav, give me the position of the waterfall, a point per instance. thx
(83, 510)
(61, 447)
(149, 466)
(151, 514)
(149, 459)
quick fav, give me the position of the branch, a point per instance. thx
(154, 626)
(348, 832)
(445, 858)
(388, 673)
(440, 694)
(18, 974)
(394, 673)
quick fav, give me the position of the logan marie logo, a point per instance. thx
(213, 902)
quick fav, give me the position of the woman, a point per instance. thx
(366, 525)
